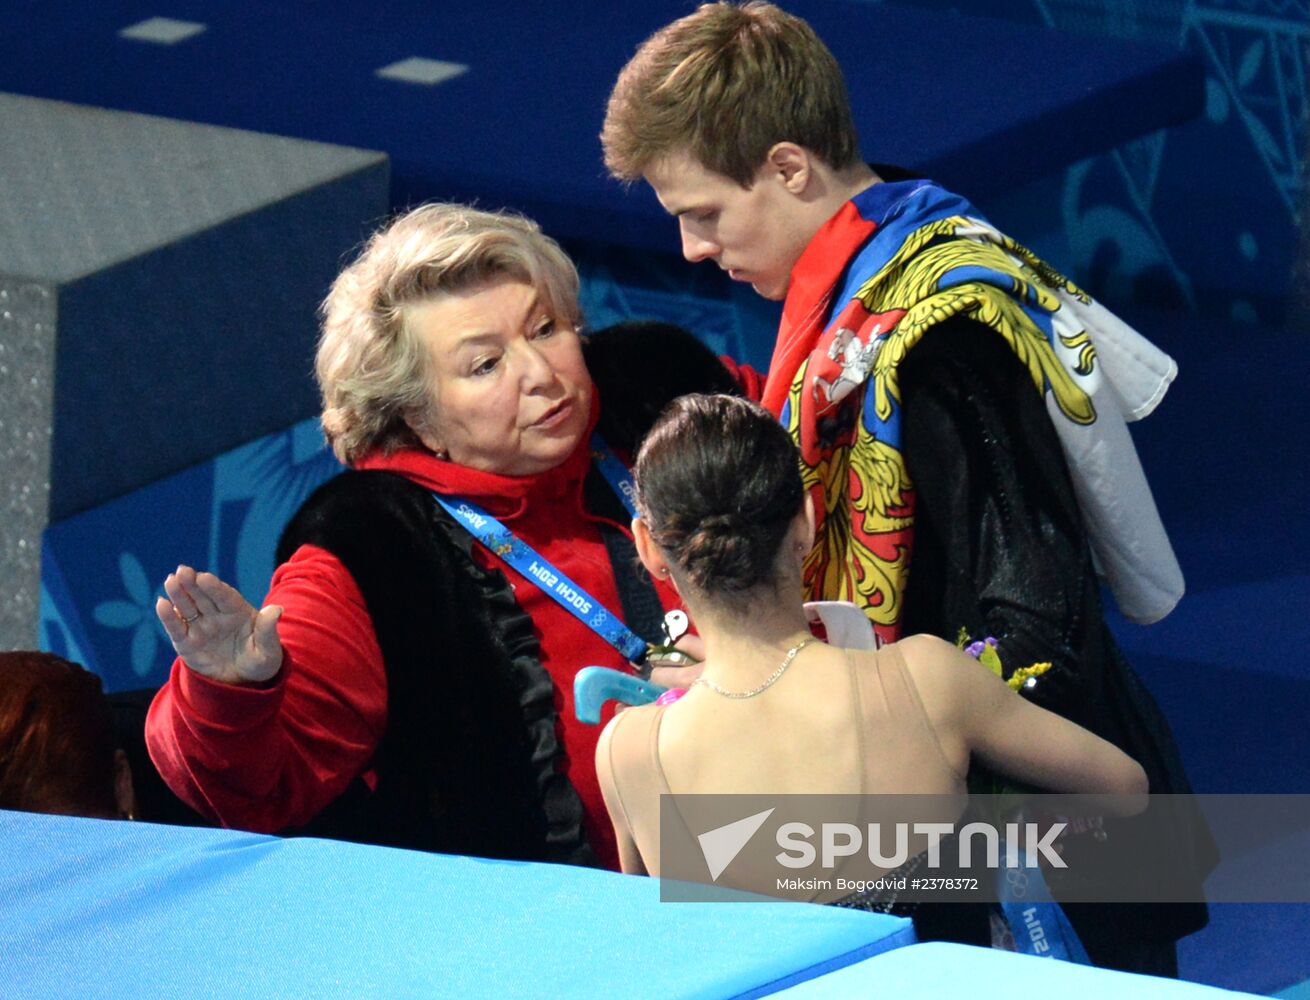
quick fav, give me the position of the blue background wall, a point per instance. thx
(1198, 223)
(1205, 216)
(1203, 219)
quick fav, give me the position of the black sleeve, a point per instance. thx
(999, 547)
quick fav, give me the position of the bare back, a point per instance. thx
(840, 722)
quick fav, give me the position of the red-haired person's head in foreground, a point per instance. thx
(58, 750)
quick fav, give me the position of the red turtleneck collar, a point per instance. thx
(505, 497)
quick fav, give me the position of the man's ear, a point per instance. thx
(647, 551)
(790, 164)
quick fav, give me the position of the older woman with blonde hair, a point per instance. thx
(409, 678)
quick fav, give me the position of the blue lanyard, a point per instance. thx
(615, 473)
(1038, 923)
(527, 561)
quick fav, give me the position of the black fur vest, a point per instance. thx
(468, 763)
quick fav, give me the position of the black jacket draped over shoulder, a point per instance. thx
(1000, 549)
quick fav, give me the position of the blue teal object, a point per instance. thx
(593, 686)
(100, 909)
(942, 969)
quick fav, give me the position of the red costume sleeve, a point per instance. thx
(266, 758)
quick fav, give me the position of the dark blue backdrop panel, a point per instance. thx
(981, 105)
(99, 908)
(1226, 455)
(197, 346)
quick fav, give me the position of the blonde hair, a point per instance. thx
(726, 84)
(373, 369)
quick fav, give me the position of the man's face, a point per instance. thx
(756, 234)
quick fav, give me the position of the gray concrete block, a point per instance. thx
(158, 287)
(27, 322)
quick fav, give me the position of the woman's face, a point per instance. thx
(510, 392)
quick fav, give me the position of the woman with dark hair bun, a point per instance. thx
(723, 515)
(726, 488)
(58, 751)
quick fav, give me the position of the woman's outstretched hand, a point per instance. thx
(216, 631)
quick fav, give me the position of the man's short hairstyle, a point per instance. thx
(726, 84)
(373, 368)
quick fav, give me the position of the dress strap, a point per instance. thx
(859, 715)
(921, 711)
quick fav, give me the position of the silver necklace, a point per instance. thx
(768, 681)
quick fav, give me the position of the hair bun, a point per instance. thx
(719, 484)
(724, 554)
(729, 522)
